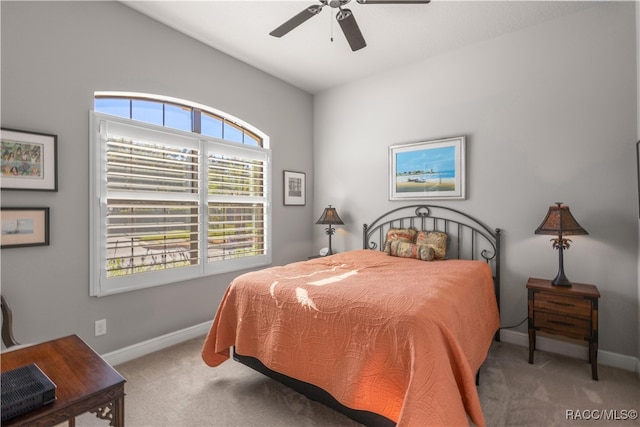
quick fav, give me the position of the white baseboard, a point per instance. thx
(141, 349)
(551, 345)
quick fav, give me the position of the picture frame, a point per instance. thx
(294, 188)
(29, 160)
(23, 227)
(432, 169)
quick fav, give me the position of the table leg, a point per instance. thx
(119, 412)
(593, 358)
(532, 344)
(112, 412)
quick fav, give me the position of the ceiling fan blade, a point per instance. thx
(393, 1)
(300, 18)
(350, 29)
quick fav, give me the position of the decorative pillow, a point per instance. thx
(435, 239)
(402, 249)
(402, 234)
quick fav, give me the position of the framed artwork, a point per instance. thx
(294, 190)
(427, 170)
(23, 227)
(29, 161)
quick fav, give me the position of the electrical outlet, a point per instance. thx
(101, 327)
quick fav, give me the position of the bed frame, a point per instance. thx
(468, 239)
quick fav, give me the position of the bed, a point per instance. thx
(386, 336)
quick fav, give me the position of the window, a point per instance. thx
(168, 203)
(176, 114)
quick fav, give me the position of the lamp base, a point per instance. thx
(561, 280)
(329, 230)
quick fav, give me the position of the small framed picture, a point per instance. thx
(29, 161)
(23, 227)
(294, 184)
(427, 170)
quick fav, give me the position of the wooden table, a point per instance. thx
(571, 311)
(85, 383)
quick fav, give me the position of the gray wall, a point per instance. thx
(550, 113)
(527, 101)
(638, 138)
(54, 56)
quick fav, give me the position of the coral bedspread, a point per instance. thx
(399, 337)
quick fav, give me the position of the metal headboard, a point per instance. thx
(468, 237)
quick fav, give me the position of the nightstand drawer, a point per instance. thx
(571, 326)
(567, 305)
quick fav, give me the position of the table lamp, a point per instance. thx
(559, 222)
(329, 217)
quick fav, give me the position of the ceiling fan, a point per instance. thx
(345, 18)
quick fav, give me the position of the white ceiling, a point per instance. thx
(396, 35)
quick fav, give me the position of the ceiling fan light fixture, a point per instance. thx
(336, 3)
(344, 17)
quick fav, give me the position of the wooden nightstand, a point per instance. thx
(563, 310)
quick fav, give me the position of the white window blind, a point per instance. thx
(155, 223)
(236, 206)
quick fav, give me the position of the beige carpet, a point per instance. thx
(173, 387)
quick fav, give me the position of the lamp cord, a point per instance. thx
(514, 326)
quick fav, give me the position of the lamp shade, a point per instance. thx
(559, 221)
(329, 216)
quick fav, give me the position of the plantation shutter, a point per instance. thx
(236, 204)
(152, 201)
(171, 207)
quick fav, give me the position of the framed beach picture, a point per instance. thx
(294, 184)
(427, 170)
(24, 227)
(29, 161)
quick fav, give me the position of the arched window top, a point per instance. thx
(179, 114)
